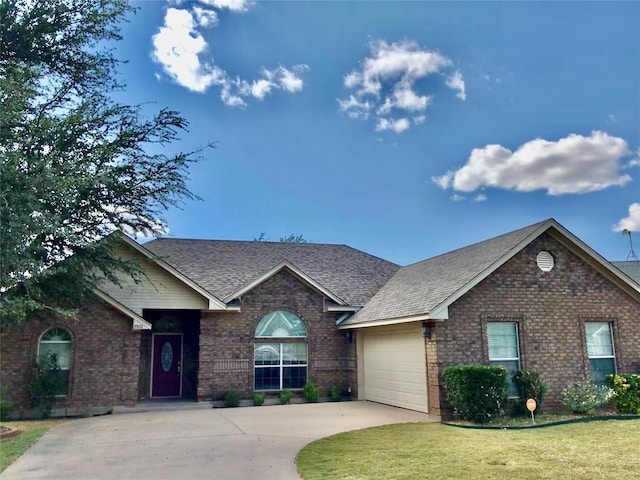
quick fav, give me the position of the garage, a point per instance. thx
(394, 366)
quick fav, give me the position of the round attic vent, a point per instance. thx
(545, 261)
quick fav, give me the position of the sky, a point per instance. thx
(403, 129)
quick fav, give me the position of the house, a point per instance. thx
(214, 316)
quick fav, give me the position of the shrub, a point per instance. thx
(335, 394)
(476, 392)
(311, 391)
(6, 407)
(232, 399)
(258, 398)
(46, 383)
(528, 385)
(285, 396)
(584, 397)
(627, 388)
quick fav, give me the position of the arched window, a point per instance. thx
(280, 324)
(54, 352)
(280, 365)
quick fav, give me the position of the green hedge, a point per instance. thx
(477, 393)
(528, 385)
(627, 388)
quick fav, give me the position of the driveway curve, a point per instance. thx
(224, 443)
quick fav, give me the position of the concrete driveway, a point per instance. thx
(225, 443)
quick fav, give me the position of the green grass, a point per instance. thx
(593, 450)
(31, 431)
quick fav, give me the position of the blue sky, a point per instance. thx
(404, 129)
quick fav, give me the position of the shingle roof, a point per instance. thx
(631, 269)
(223, 267)
(419, 288)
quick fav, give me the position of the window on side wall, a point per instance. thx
(280, 359)
(602, 361)
(54, 348)
(504, 349)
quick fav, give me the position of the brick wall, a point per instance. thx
(550, 309)
(227, 340)
(104, 363)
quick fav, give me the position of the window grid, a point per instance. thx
(600, 350)
(57, 341)
(286, 369)
(504, 349)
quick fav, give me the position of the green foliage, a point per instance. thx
(6, 408)
(528, 385)
(335, 394)
(291, 238)
(627, 392)
(46, 383)
(476, 392)
(311, 391)
(258, 398)
(584, 397)
(75, 165)
(285, 396)
(232, 399)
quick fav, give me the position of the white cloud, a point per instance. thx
(233, 5)
(205, 18)
(387, 80)
(632, 222)
(419, 120)
(574, 164)
(185, 56)
(481, 197)
(177, 46)
(355, 108)
(260, 88)
(457, 198)
(399, 125)
(289, 79)
(456, 82)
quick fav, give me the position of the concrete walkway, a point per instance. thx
(225, 443)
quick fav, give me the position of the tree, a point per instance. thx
(75, 164)
(288, 239)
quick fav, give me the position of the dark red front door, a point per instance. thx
(166, 374)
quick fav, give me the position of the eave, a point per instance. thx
(139, 323)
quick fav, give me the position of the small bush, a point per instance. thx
(584, 397)
(335, 394)
(46, 383)
(232, 399)
(627, 388)
(6, 407)
(311, 391)
(258, 398)
(528, 385)
(285, 396)
(477, 393)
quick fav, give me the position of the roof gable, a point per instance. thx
(273, 271)
(211, 302)
(426, 289)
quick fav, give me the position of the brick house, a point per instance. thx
(213, 316)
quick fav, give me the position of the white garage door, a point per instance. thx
(395, 367)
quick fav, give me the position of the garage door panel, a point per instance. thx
(394, 369)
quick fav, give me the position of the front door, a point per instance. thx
(166, 369)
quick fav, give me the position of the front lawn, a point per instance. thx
(30, 432)
(593, 450)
